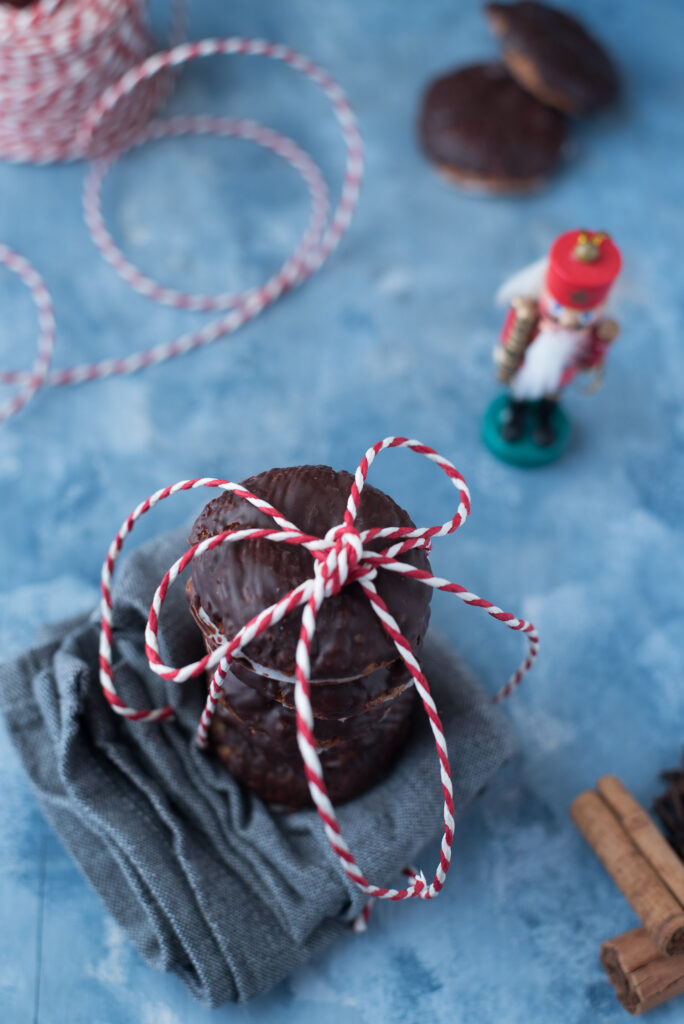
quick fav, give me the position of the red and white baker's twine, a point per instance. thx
(117, 114)
(340, 558)
(57, 57)
(46, 330)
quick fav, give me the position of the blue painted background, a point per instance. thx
(393, 336)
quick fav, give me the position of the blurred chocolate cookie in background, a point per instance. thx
(484, 132)
(553, 56)
(500, 127)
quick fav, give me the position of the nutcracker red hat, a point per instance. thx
(582, 267)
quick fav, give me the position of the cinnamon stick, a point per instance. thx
(641, 976)
(644, 834)
(649, 896)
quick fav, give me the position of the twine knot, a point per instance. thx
(338, 562)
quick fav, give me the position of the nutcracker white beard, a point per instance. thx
(547, 357)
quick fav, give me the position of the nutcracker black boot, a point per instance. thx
(513, 421)
(544, 430)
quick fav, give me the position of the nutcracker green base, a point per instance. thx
(524, 452)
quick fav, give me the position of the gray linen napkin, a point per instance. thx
(203, 879)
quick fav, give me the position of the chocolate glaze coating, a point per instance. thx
(349, 768)
(236, 581)
(478, 123)
(252, 712)
(328, 699)
(335, 700)
(553, 56)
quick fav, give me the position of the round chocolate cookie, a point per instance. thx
(244, 706)
(235, 582)
(554, 57)
(349, 768)
(483, 131)
(334, 700)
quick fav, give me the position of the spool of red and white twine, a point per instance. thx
(57, 57)
(340, 558)
(63, 96)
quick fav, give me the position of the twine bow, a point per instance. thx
(341, 557)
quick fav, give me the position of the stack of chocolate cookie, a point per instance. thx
(501, 127)
(361, 692)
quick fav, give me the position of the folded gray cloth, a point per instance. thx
(206, 881)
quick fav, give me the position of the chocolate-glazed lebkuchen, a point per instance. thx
(361, 692)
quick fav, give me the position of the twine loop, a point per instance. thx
(340, 558)
(115, 119)
(16, 264)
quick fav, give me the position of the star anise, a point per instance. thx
(670, 808)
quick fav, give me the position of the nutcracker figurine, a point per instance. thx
(554, 329)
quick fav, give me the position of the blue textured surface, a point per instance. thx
(394, 336)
